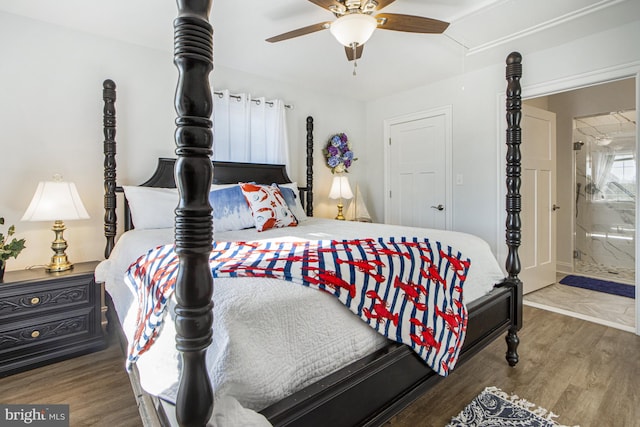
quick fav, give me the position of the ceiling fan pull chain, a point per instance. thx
(355, 58)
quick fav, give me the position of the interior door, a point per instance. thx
(418, 161)
(538, 189)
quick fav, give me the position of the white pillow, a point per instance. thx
(152, 207)
(295, 204)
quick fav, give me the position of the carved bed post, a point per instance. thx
(109, 149)
(193, 56)
(309, 204)
(513, 199)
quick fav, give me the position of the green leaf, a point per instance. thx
(13, 248)
(16, 246)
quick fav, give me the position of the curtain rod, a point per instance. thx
(257, 101)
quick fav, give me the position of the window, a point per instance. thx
(620, 183)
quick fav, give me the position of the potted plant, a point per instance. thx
(9, 249)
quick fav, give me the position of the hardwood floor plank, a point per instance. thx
(568, 366)
(586, 373)
(95, 387)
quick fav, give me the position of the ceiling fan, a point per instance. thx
(356, 23)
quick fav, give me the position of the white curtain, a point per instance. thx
(249, 129)
(602, 161)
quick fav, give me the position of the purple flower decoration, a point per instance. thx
(338, 153)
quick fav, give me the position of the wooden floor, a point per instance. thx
(95, 387)
(587, 373)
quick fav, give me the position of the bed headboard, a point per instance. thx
(223, 173)
(164, 176)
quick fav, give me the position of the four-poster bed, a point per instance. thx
(367, 391)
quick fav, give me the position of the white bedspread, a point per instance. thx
(267, 344)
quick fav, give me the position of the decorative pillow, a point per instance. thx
(151, 207)
(290, 193)
(230, 209)
(269, 208)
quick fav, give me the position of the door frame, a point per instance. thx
(445, 111)
(625, 71)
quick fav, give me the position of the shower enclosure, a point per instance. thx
(605, 195)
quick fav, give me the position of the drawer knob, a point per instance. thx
(35, 334)
(35, 300)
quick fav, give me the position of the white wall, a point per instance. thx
(51, 121)
(478, 128)
(51, 117)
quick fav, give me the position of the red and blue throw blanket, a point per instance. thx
(408, 289)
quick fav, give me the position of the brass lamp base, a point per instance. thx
(59, 261)
(340, 216)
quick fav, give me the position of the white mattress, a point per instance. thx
(272, 338)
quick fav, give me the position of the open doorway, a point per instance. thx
(575, 239)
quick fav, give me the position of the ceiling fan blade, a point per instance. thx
(349, 51)
(410, 23)
(300, 32)
(326, 4)
(383, 3)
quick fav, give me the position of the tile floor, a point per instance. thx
(610, 310)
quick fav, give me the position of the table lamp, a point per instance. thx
(340, 189)
(56, 201)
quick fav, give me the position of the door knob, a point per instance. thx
(555, 207)
(439, 207)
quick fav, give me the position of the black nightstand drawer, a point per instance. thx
(46, 317)
(45, 330)
(39, 299)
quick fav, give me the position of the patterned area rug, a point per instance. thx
(495, 408)
(605, 286)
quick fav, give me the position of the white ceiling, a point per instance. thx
(481, 33)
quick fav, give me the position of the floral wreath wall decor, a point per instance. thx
(338, 153)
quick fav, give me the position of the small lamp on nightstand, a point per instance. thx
(340, 189)
(56, 201)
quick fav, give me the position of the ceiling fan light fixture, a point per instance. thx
(353, 28)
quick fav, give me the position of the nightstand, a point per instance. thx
(47, 317)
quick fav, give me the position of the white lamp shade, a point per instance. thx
(340, 188)
(353, 28)
(55, 201)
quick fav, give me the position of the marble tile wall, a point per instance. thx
(604, 240)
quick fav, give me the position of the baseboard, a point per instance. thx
(564, 268)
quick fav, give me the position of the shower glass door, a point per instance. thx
(605, 197)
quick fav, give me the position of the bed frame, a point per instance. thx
(368, 392)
